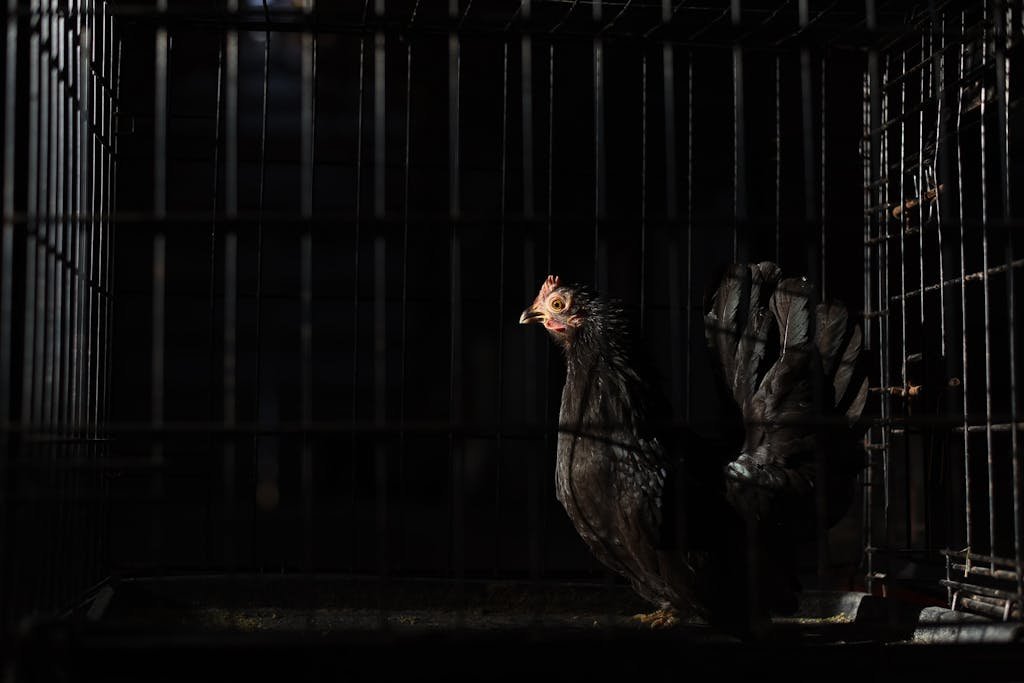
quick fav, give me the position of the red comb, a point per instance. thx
(545, 289)
(548, 285)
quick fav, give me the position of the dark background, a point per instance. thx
(484, 412)
(415, 435)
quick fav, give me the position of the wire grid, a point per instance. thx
(942, 291)
(244, 433)
(60, 180)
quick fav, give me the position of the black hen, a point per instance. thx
(700, 526)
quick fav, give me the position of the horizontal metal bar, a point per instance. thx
(976, 557)
(979, 591)
(972, 277)
(980, 570)
(909, 390)
(995, 427)
(244, 219)
(1007, 611)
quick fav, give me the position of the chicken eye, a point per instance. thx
(557, 305)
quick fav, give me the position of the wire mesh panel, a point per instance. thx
(944, 297)
(60, 179)
(263, 262)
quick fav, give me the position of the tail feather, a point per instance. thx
(829, 335)
(790, 304)
(738, 326)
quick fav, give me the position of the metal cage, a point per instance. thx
(261, 262)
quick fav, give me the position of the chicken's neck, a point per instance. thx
(603, 387)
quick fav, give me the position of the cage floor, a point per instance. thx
(193, 628)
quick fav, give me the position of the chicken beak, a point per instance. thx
(531, 315)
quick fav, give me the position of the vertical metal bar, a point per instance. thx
(643, 192)
(357, 244)
(600, 199)
(54, 238)
(455, 342)
(43, 198)
(35, 133)
(526, 101)
(884, 347)
(260, 198)
(984, 280)
(230, 286)
(380, 294)
(85, 532)
(868, 158)
(35, 254)
(538, 559)
(813, 236)
(212, 312)
(7, 248)
(307, 170)
(92, 128)
(739, 151)
(823, 199)
(58, 215)
(551, 167)
(80, 228)
(6, 299)
(110, 251)
(778, 161)
(501, 308)
(160, 120)
(903, 301)
(1002, 21)
(530, 283)
(940, 162)
(64, 388)
(963, 284)
(922, 178)
(677, 308)
(689, 227)
(400, 560)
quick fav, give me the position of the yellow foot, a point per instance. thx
(663, 618)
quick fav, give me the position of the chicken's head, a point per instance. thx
(554, 307)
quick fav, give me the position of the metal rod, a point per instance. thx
(823, 197)
(884, 348)
(218, 112)
(160, 109)
(985, 288)
(739, 158)
(500, 445)
(940, 162)
(380, 296)
(689, 230)
(643, 193)
(778, 164)
(7, 248)
(978, 276)
(963, 293)
(230, 365)
(600, 194)
(1002, 99)
(902, 94)
(357, 245)
(308, 171)
(868, 158)
(400, 560)
(455, 446)
(675, 304)
(260, 199)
